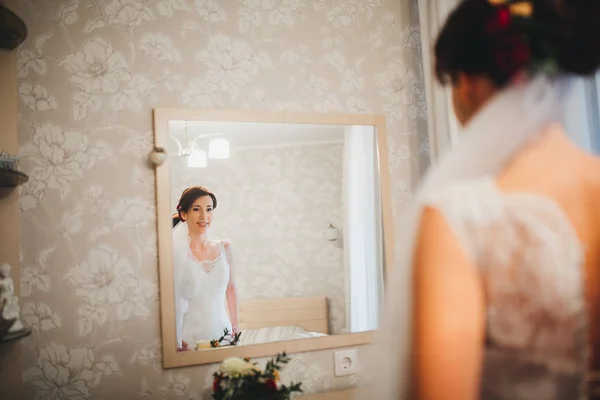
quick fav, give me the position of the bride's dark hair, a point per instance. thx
(499, 38)
(187, 200)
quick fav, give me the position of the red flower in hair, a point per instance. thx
(521, 53)
(512, 55)
(511, 52)
(500, 21)
(503, 18)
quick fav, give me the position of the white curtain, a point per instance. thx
(442, 125)
(363, 250)
(582, 120)
(594, 96)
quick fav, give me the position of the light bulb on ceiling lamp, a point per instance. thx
(218, 149)
(197, 159)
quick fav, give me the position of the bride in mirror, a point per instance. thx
(202, 267)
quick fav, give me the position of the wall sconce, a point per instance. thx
(218, 149)
(197, 159)
(157, 156)
(332, 233)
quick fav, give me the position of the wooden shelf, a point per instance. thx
(11, 337)
(13, 30)
(12, 179)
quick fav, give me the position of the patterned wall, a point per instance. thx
(274, 205)
(90, 73)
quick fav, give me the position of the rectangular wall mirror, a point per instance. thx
(274, 229)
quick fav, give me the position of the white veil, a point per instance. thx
(495, 134)
(181, 247)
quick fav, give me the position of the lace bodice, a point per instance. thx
(202, 289)
(530, 262)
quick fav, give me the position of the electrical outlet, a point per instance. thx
(345, 362)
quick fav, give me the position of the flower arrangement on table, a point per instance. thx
(228, 339)
(241, 379)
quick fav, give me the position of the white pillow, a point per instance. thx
(275, 334)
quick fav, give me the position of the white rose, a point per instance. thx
(235, 366)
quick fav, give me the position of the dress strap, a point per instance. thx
(221, 249)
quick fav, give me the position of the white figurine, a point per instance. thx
(7, 292)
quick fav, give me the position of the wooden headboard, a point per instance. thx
(310, 313)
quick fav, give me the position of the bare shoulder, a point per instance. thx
(596, 172)
(594, 187)
(588, 172)
(435, 238)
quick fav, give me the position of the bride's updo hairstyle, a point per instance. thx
(187, 199)
(501, 38)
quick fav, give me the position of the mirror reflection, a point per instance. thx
(277, 231)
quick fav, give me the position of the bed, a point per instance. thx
(289, 318)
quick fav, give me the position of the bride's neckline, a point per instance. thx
(208, 261)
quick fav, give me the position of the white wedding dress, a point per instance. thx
(530, 261)
(524, 247)
(200, 297)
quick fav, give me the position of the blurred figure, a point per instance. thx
(504, 240)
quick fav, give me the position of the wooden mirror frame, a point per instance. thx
(162, 116)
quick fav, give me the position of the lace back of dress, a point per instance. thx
(530, 261)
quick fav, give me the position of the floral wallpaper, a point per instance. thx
(274, 205)
(90, 72)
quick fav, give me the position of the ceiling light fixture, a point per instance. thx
(197, 159)
(218, 149)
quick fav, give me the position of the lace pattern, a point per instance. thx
(531, 265)
(207, 265)
(203, 293)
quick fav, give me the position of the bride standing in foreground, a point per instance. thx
(505, 244)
